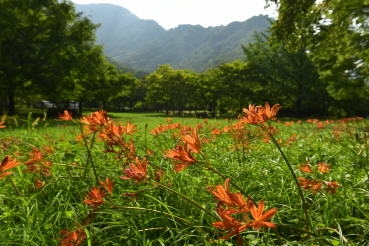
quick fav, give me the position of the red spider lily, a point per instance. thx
(323, 168)
(95, 197)
(73, 238)
(138, 173)
(6, 164)
(230, 223)
(65, 116)
(259, 217)
(306, 167)
(193, 141)
(1, 125)
(108, 185)
(330, 186)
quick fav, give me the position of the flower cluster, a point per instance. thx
(259, 114)
(232, 204)
(316, 184)
(190, 143)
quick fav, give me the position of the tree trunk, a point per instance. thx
(2, 105)
(80, 106)
(11, 110)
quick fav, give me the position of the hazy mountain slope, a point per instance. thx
(121, 32)
(145, 44)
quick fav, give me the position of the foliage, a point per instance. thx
(60, 199)
(290, 78)
(336, 35)
(39, 43)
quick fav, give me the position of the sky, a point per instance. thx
(171, 13)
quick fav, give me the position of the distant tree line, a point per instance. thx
(269, 73)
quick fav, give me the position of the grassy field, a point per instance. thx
(161, 185)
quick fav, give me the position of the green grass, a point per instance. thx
(158, 216)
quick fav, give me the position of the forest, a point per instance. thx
(49, 51)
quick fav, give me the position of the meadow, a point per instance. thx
(145, 179)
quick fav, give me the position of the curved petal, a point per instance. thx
(269, 214)
(267, 224)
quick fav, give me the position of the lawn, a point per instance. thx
(150, 179)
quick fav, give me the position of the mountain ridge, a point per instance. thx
(144, 44)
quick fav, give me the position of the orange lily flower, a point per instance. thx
(193, 141)
(267, 112)
(222, 194)
(183, 155)
(305, 182)
(73, 238)
(259, 217)
(97, 119)
(310, 184)
(6, 164)
(94, 197)
(38, 183)
(323, 168)
(65, 116)
(330, 186)
(129, 129)
(229, 199)
(306, 167)
(252, 117)
(230, 223)
(258, 115)
(138, 173)
(1, 125)
(108, 185)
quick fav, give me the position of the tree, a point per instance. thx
(39, 41)
(335, 32)
(241, 81)
(286, 78)
(112, 84)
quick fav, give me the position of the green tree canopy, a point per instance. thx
(39, 44)
(335, 32)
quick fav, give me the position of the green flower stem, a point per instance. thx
(89, 157)
(293, 175)
(208, 167)
(171, 215)
(15, 187)
(189, 200)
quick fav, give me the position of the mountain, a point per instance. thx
(144, 44)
